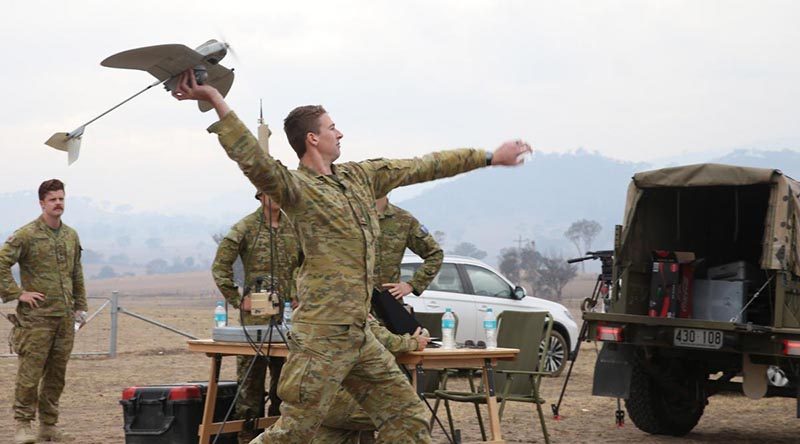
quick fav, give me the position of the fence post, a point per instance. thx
(112, 347)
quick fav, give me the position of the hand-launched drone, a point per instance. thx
(165, 63)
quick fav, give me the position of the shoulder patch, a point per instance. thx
(10, 239)
(423, 229)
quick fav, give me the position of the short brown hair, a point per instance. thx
(48, 186)
(301, 121)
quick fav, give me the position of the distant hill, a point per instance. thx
(491, 208)
(538, 201)
(118, 231)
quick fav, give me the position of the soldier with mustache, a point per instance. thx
(51, 300)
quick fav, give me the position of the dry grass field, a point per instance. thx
(149, 355)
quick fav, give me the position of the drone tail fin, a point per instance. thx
(69, 142)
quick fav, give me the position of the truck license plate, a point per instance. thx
(697, 338)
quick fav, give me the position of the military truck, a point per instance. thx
(728, 239)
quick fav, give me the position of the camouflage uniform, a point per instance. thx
(49, 263)
(338, 229)
(401, 230)
(346, 419)
(249, 239)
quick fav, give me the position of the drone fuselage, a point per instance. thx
(212, 51)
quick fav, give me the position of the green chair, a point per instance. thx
(517, 380)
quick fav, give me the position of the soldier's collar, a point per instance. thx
(42, 225)
(388, 211)
(302, 167)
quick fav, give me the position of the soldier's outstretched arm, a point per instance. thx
(222, 269)
(422, 243)
(265, 172)
(388, 174)
(78, 286)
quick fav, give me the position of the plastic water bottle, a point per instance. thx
(287, 315)
(448, 330)
(220, 317)
(490, 327)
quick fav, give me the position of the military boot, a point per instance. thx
(48, 432)
(24, 434)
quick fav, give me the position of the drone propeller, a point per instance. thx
(231, 51)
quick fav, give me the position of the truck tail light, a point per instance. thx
(791, 348)
(610, 334)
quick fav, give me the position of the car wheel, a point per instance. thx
(556, 350)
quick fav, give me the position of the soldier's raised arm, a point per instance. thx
(78, 286)
(422, 243)
(264, 171)
(388, 174)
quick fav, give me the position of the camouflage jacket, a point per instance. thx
(49, 263)
(249, 239)
(394, 343)
(335, 216)
(401, 230)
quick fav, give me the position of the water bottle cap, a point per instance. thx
(220, 304)
(489, 309)
(447, 310)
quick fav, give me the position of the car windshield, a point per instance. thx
(487, 283)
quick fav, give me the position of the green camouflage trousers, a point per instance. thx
(344, 422)
(43, 344)
(325, 358)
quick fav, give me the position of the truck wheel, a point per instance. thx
(670, 405)
(557, 352)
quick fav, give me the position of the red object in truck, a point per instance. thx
(670, 284)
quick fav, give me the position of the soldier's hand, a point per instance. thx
(188, 89)
(245, 304)
(511, 153)
(81, 317)
(422, 341)
(399, 289)
(32, 298)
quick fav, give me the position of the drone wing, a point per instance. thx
(166, 61)
(161, 61)
(220, 78)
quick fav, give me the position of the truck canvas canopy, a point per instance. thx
(722, 213)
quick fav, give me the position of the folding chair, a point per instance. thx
(520, 379)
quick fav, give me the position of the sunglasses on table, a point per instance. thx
(469, 343)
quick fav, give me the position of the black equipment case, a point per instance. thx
(171, 414)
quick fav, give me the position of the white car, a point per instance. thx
(469, 287)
